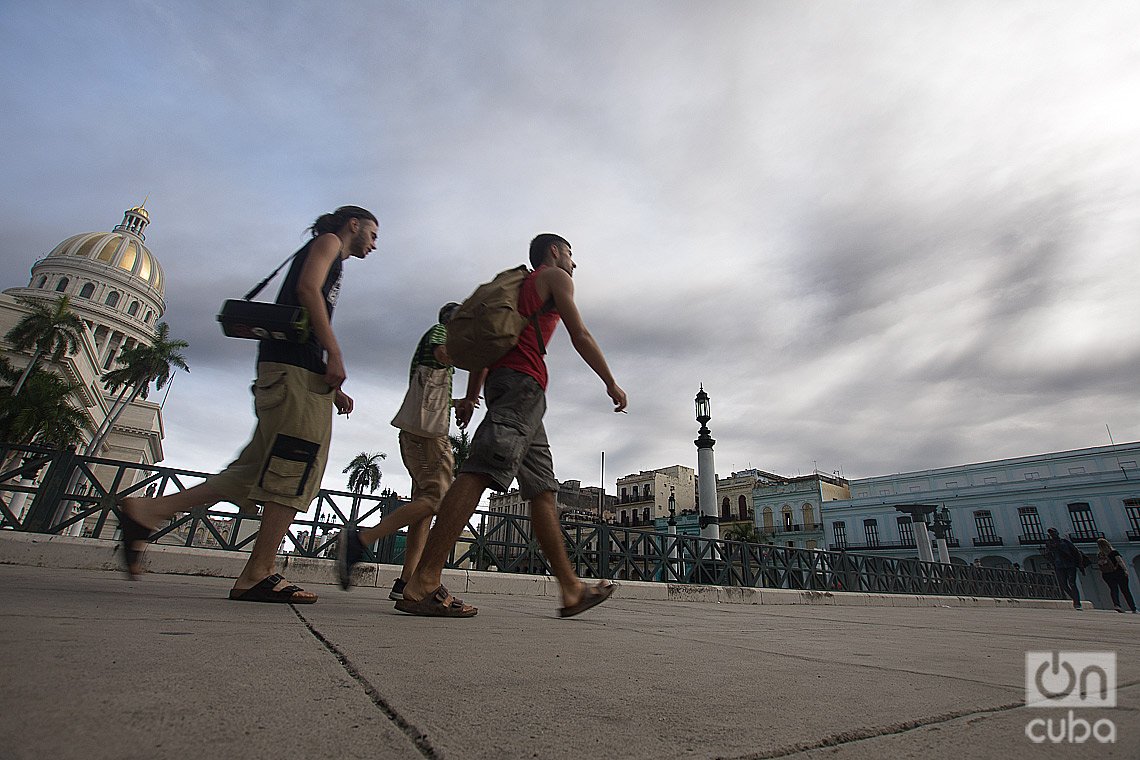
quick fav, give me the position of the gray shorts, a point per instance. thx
(511, 441)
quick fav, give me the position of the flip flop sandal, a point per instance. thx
(436, 604)
(132, 532)
(591, 597)
(264, 592)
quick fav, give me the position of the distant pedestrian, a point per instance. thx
(1066, 559)
(424, 421)
(1115, 573)
(297, 387)
(511, 442)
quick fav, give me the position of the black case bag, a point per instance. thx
(257, 320)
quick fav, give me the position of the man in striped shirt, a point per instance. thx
(429, 460)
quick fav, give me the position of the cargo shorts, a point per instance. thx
(285, 459)
(511, 441)
(429, 462)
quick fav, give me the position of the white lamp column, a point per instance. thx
(706, 469)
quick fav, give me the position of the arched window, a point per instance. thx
(149, 317)
(112, 299)
(645, 514)
(725, 507)
(133, 309)
(742, 503)
(42, 282)
(87, 290)
(768, 518)
(789, 521)
(62, 285)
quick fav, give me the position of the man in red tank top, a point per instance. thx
(511, 442)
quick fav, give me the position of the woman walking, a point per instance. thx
(1115, 573)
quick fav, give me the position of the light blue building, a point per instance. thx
(1000, 510)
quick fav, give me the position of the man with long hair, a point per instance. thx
(297, 387)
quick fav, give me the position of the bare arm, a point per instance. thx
(465, 406)
(557, 284)
(325, 250)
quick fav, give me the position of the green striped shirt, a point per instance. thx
(425, 353)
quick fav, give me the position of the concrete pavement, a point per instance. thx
(94, 666)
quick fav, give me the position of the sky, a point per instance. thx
(884, 236)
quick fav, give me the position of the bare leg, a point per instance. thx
(152, 512)
(414, 548)
(544, 518)
(409, 514)
(456, 509)
(275, 521)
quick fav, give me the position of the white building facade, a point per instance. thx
(1000, 510)
(790, 510)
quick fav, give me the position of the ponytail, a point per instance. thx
(336, 220)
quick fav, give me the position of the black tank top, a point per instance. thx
(309, 355)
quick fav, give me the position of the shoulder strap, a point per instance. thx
(261, 285)
(546, 307)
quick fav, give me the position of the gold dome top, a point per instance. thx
(123, 248)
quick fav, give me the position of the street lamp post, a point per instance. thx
(918, 514)
(706, 470)
(940, 527)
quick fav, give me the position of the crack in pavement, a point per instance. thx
(417, 736)
(851, 737)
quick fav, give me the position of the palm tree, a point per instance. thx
(460, 448)
(142, 365)
(43, 413)
(363, 472)
(744, 532)
(51, 329)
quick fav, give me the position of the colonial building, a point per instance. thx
(789, 511)
(734, 495)
(575, 502)
(116, 286)
(1000, 510)
(644, 497)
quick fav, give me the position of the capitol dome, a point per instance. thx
(112, 280)
(122, 248)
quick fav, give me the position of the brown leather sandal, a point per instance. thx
(439, 603)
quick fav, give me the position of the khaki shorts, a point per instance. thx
(285, 460)
(430, 462)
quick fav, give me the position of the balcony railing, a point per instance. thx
(988, 541)
(794, 528)
(1134, 535)
(1085, 536)
(886, 546)
(77, 492)
(1031, 539)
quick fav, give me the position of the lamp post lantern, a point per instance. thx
(706, 470)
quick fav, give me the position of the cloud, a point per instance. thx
(883, 236)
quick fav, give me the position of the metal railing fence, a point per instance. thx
(59, 492)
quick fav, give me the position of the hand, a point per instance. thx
(343, 403)
(617, 395)
(335, 373)
(464, 408)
